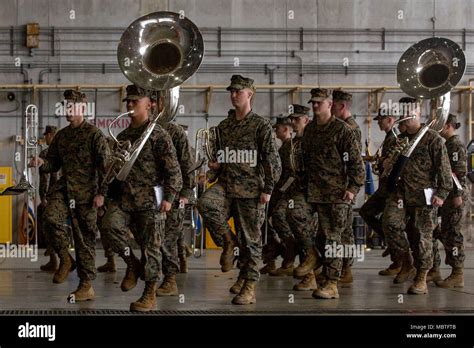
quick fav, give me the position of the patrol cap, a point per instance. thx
(298, 111)
(282, 121)
(50, 129)
(74, 96)
(320, 94)
(340, 95)
(453, 120)
(239, 82)
(135, 93)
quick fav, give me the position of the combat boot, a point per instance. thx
(235, 289)
(84, 292)
(346, 275)
(407, 272)
(183, 264)
(282, 272)
(109, 266)
(308, 283)
(147, 302)
(419, 286)
(393, 269)
(434, 275)
(227, 257)
(132, 273)
(66, 266)
(52, 264)
(168, 287)
(327, 291)
(308, 265)
(270, 266)
(455, 279)
(247, 293)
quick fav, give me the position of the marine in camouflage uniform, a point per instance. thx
(175, 218)
(284, 239)
(243, 187)
(299, 211)
(335, 173)
(427, 168)
(80, 151)
(371, 211)
(136, 205)
(449, 233)
(341, 108)
(46, 182)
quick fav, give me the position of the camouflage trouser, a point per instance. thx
(84, 226)
(44, 230)
(347, 237)
(169, 246)
(280, 222)
(419, 223)
(301, 221)
(181, 244)
(108, 252)
(273, 247)
(147, 227)
(332, 222)
(449, 233)
(248, 213)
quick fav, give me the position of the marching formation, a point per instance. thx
(297, 200)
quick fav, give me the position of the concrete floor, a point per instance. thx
(205, 288)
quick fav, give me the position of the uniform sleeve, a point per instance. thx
(186, 163)
(102, 156)
(459, 168)
(52, 162)
(269, 157)
(351, 155)
(441, 164)
(165, 154)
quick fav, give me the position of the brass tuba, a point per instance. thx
(427, 70)
(157, 52)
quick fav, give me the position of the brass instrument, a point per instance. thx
(157, 52)
(209, 141)
(427, 70)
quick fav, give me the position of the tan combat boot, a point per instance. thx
(346, 275)
(270, 266)
(434, 275)
(455, 279)
(419, 286)
(84, 292)
(147, 302)
(407, 272)
(308, 283)
(235, 289)
(109, 266)
(168, 287)
(66, 266)
(52, 264)
(392, 270)
(308, 265)
(132, 273)
(247, 294)
(227, 257)
(327, 291)
(282, 272)
(183, 264)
